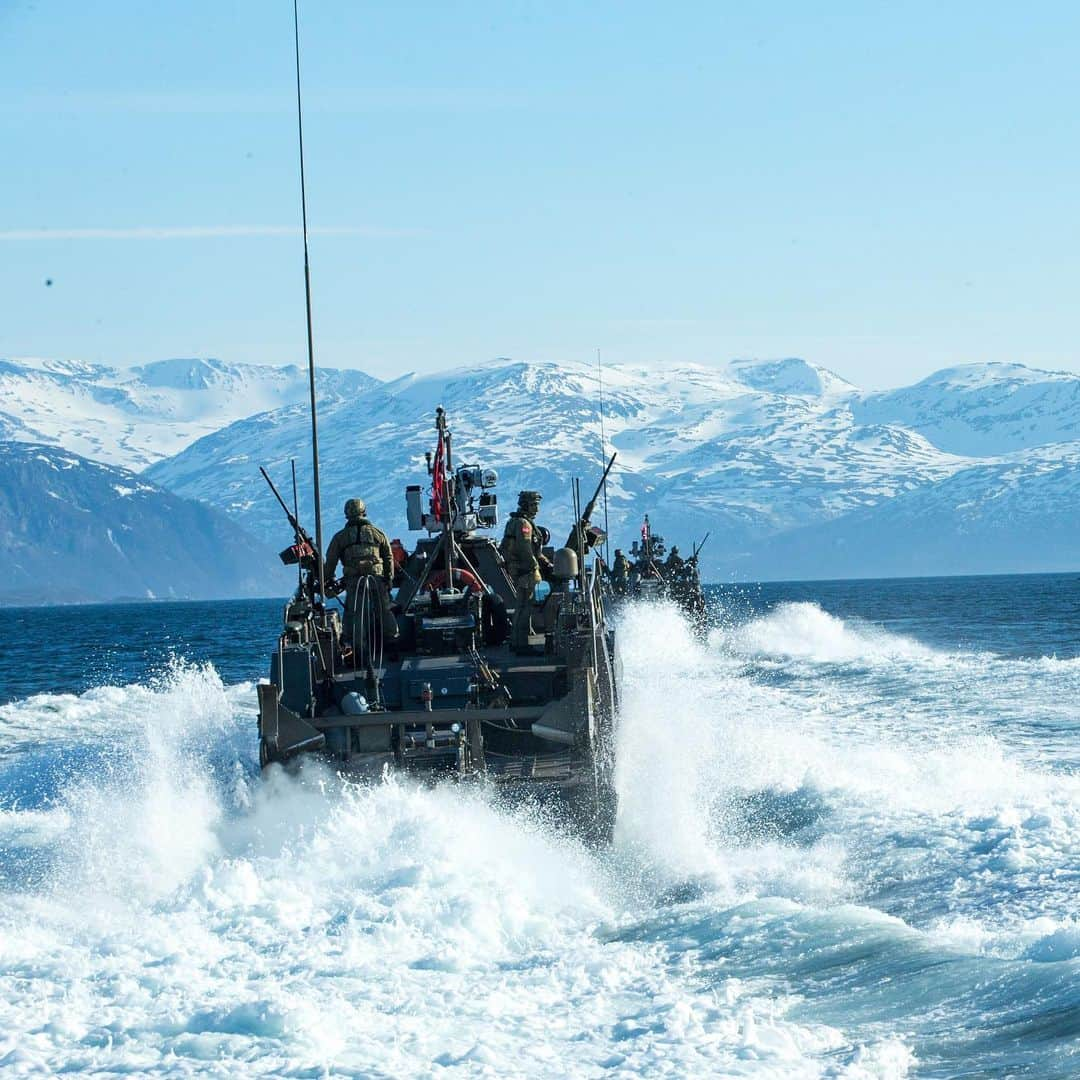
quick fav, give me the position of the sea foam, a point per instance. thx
(812, 875)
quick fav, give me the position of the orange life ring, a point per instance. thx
(461, 577)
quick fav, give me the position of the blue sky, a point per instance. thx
(884, 189)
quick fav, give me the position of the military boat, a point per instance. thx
(422, 679)
(648, 575)
(447, 697)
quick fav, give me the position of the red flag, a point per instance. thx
(438, 482)
(645, 529)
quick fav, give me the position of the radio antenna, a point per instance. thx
(296, 519)
(603, 457)
(310, 340)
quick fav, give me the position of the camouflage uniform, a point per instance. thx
(620, 573)
(520, 548)
(364, 552)
(674, 562)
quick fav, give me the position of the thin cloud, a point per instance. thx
(230, 102)
(200, 232)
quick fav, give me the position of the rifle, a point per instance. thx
(586, 514)
(304, 548)
(698, 547)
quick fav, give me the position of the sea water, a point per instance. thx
(848, 845)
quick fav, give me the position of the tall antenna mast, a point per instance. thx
(603, 456)
(296, 519)
(307, 298)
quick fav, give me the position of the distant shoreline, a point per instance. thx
(127, 601)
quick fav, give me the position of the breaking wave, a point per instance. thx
(808, 879)
(804, 631)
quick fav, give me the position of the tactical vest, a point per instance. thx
(515, 548)
(361, 554)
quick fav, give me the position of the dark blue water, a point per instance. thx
(70, 649)
(1015, 615)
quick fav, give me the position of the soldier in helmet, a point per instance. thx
(367, 563)
(673, 574)
(521, 548)
(620, 573)
(674, 562)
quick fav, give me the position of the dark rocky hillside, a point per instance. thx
(76, 530)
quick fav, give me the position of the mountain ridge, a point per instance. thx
(701, 449)
(753, 451)
(131, 417)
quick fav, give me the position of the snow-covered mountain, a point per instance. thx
(74, 530)
(744, 452)
(1019, 513)
(537, 424)
(132, 417)
(794, 471)
(778, 460)
(983, 409)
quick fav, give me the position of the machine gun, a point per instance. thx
(698, 547)
(583, 536)
(303, 550)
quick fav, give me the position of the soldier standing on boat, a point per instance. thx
(620, 573)
(674, 563)
(367, 563)
(691, 575)
(521, 548)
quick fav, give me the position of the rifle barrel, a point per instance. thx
(591, 504)
(293, 520)
(273, 488)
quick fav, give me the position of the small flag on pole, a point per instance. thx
(438, 481)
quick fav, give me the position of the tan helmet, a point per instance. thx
(355, 508)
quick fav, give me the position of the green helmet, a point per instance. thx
(355, 508)
(529, 498)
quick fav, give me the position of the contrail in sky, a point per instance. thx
(199, 232)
